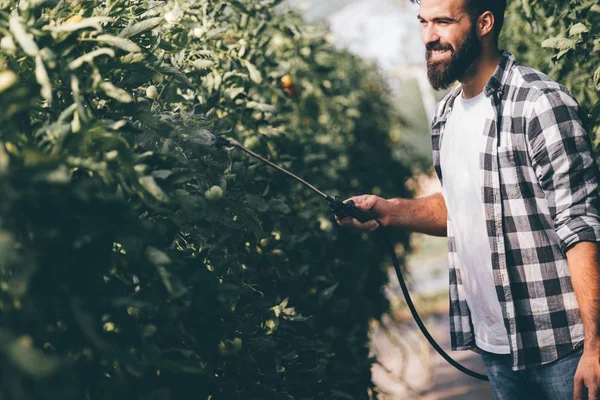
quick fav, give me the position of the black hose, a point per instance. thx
(416, 316)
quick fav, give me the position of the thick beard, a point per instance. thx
(443, 74)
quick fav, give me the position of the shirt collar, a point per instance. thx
(500, 76)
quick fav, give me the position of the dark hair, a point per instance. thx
(477, 7)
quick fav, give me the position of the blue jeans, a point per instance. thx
(552, 381)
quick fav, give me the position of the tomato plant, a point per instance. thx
(139, 261)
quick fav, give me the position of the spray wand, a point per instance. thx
(336, 205)
(349, 209)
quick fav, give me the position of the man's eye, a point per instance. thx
(442, 22)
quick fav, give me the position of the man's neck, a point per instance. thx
(480, 73)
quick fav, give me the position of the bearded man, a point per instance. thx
(519, 206)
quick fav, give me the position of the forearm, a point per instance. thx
(584, 264)
(426, 215)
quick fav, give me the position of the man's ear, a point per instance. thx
(486, 23)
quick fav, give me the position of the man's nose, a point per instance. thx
(429, 34)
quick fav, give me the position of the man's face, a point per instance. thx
(450, 39)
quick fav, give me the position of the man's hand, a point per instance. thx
(584, 264)
(373, 205)
(588, 374)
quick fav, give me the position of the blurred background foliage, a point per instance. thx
(138, 261)
(562, 39)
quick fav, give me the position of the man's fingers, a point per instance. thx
(369, 203)
(578, 389)
(366, 226)
(593, 393)
(358, 199)
(364, 202)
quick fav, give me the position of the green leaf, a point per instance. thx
(169, 70)
(249, 219)
(255, 75)
(157, 257)
(578, 29)
(526, 8)
(7, 80)
(595, 111)
(259, 29)
(239, 6)
(323, 59)
(92, 22)
(116, 93)
(140, 27)
(257, 202)
(203, 64)
(4, 159)
(597, 77)
(562, 53)
(327, 293)
(7, 240)
(149, 330)
(261, 106)
(23, 355)
(89, 57)
(234, 92)
(18, 30)
(173, 286)
(78, 98)
(152, 187)
(279, 206)
(41, 75)
(559, 43)
(266, 191)
(132, 58)
(162, 174)
(121, 43)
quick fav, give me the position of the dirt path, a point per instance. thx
(409, 368)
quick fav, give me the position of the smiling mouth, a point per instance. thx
(439, 53)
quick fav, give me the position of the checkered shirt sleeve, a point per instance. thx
(564, 163)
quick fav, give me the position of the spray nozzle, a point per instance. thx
(348, 209)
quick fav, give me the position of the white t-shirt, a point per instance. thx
(463, 141)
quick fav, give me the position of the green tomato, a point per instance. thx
(236, 344)
(151, 92)
(214, 193)
(252, 142)
(223, 351)
(237, 167)
(7, 79)
(7, 44)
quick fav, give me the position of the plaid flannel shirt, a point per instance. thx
(539, 192)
